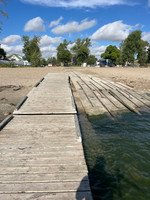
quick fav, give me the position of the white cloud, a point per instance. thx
(72, 27)
(47, 40)
(116, 31)
(146, 36)
(78, 3)
(48, 51)
(96, 49)
(55, 23)
(35, 24)
(13, 49)
(46, 48)
(11, 39)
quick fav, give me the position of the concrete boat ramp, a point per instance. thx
(41, 153)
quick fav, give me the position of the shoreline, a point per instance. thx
(16, 83)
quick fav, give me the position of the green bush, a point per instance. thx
(11, 65)
(7, 65)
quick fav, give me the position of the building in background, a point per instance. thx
(19, 60)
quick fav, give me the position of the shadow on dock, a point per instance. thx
(83, 195)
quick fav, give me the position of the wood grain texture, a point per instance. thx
(52, 96)
(41, 154)
(99, 96)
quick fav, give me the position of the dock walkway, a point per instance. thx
(41, 154)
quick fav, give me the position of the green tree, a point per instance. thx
(2, 53)
(91, 60)
(133, 46)
(52, 60)
(2, 11)
(63, 54)
(148, 55)
(126, 54)
(43, 62)
(81, 50)
(143, 54)
(26, 47)
(31, 50)
(112, 53)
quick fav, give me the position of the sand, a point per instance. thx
(15, 83)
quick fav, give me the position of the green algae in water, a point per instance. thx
(118, 156)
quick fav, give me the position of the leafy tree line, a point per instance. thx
(131, 49)
(78, 54)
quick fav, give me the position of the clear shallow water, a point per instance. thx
(118, 156)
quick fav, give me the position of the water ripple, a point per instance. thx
(118, 156)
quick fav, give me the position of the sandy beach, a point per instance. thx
(15, 83)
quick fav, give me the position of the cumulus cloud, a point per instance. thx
(116, 31)
(55, 23)
(97, 51)
(78, 3)
(12, 49)
(47, 40)
(35, 24)
(72, 27)
(11, 39)
(146, 36)
(48, 51)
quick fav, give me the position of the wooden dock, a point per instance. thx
(41, 154)
(99, 96)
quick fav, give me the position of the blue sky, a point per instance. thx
(104, 21)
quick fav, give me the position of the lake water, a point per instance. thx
(118, 156)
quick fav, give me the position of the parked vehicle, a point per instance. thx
(110, 64)
(50, 65)
(104, 63)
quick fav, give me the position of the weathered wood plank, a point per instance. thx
(105, 94)
(48, 196)
(48, 169)
(49, 97)
(32, 165)
(42, 187)
(41, 163)
(41, 158)
(37, 148)
(89, 100)
(42, 178)
(41, 154)
(100, 96)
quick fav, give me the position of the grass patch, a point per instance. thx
(11, 65)
(7, 65)
(75, 65)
